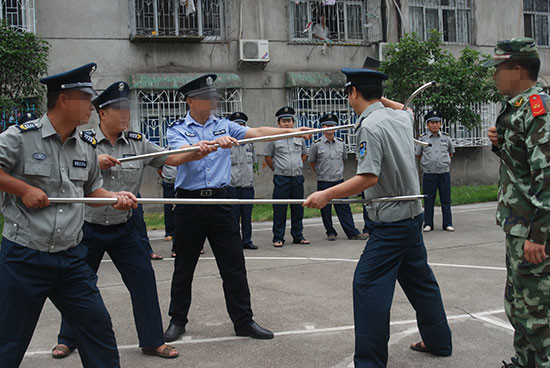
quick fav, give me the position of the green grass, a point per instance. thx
(264, 212)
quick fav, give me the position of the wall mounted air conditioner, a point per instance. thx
(254, 51)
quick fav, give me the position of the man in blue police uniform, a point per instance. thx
(107, 231)
(286, 158)
(243, 163)
(436, 163)
(208, 176)
(326, 158)
(41, 254)
(395, 250)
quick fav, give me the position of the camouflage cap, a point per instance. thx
(519, 48)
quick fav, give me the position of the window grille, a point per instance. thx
(19, 14)
(535, 20)
(450, 17)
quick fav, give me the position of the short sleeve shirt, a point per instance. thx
(127, 176)
(243, 159)
(214, 170)
(33, 152)
(287, 156)
(329, 157)
(435, 158)
(385, 149)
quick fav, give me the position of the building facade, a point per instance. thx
(268, 53)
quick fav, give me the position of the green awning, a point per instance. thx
(314, 79)
(176, 80)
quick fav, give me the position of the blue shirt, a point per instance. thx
(214, 170)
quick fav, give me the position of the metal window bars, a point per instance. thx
(345, 20)
(536, 20)
(206, 19)
(19, 14)
(450, 17)
(157, 108)
(311, 103)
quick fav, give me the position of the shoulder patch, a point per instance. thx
(339, 139)
(28, 126)
(537, 105)
(135, 136)
(519, 102)
(88, 138)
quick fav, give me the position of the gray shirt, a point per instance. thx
(435, 159)
(126, 176)
(169, 174)
(33, 153)
(328, 158)
(243, 159)
(385, 149)
(287, 156)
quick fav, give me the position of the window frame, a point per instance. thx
(534, 13)
(309, 39)
(177, 32)
(440, 9)
(25, 11)
(173, 108)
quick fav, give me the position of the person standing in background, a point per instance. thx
(435, 160)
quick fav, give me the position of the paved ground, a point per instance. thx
(304, 294)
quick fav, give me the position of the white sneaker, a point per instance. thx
(449, 228)
(427, 228)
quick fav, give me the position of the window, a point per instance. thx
(157, 108)
(450, 17)
(335, 20)
(18, 13)
(311, 103)
(535, 19)
(462, 137)
(199, 19)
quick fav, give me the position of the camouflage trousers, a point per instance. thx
(527, 304)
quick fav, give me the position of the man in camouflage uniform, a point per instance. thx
(521, 139)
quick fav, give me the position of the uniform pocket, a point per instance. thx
(78, 174)
(36, 169)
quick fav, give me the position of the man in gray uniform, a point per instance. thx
(436, 163)
(113, 232)
(286, 158)
(395, 250)
(41, 254)
(243, 162)
(326, 158)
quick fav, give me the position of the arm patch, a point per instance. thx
(537, 105)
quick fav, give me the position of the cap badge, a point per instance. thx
(209, 81)
(121, 86)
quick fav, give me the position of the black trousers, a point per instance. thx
(195, 224)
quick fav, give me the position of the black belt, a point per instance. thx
(201, 193)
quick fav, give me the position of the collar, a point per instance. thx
(325, 139)
(48, 130)
(188, 120)
(100, 136)
(438, 133)
(372, 108)
(516, 100)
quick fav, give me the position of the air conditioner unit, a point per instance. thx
(254, 51)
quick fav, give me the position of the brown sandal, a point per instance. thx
(165, 353)
(64, 349)
(156, 257)
(420, 346)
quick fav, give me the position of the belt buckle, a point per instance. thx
(206, 192)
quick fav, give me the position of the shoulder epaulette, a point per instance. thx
(445, 134)
(339, 139)
(537, 105)
(28, 126)
(135, 136)
(88, 138)
(174, 122)
(317, 140)
(423, 135)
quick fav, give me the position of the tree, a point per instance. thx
(462, 81)
(23, 59)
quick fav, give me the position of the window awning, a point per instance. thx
(176, 80)
(314, 79)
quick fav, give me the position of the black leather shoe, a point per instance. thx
(173, 332)
(250, 246)
(255, 331)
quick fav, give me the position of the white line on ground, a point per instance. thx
(316, 259)
(189, 339)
